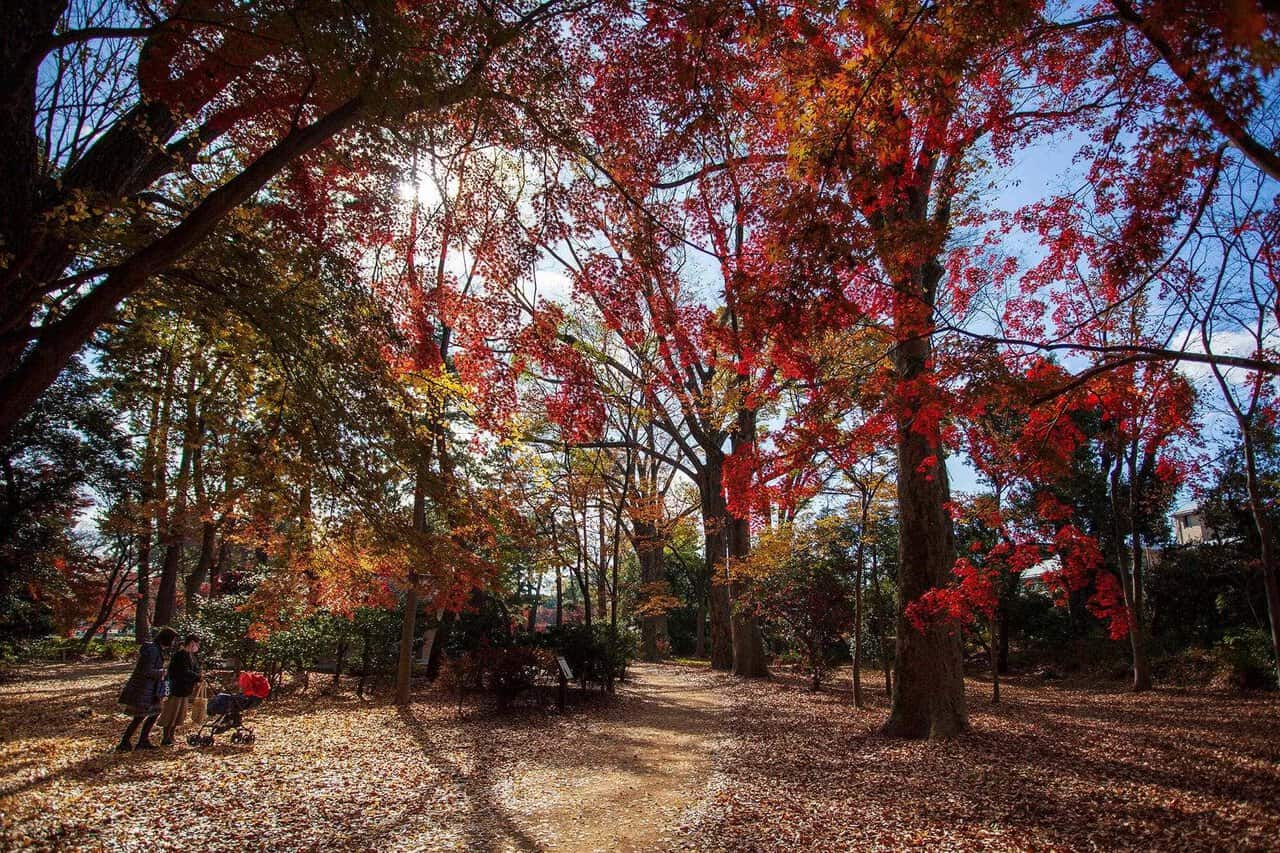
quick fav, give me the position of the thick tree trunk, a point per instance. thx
(26, 23)
(748, 643)
(219, 568)
(602, 563)
(1139, 632)
(720, 633)
(142, 610)
(404, 664)
(429, 639)
(339, 658)
(928, 690)
(715, 537)
(532, 624)
(994, 659)
(438, 643)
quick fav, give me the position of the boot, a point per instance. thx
(144, 739)
(126, 739)
(167, 740)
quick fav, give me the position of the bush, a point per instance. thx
(378, 635)
(1247, 658)
(809, 604)
(598, 654)
(505, 671)
(59, 649)
(223, 628)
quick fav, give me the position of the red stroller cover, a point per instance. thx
(254, 684)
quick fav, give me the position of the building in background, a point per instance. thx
(1189, 527)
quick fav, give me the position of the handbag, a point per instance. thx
(200, 704)
(162, 688)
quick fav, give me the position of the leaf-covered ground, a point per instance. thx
(1051, 768)
(682, 758)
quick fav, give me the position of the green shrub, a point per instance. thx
(223, 629)
(61, 649)
(599, 654)
(1247, 657)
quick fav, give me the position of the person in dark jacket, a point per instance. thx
(141, 695)
(184, 675)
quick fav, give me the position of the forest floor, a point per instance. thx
(680, 758)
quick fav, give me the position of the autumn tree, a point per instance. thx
(112, 113)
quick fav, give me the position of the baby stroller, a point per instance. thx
(226, 712)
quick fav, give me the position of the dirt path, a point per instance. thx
(631, 775)
(332, 771)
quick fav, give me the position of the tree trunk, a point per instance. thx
(1002, 638)
(365, 663)
(928, 690)
(1141, 660)
(994, 659)
(532, 624)
(151, 470)
(340, 657)
(204, 565)
(700, 630)
(881, 622)
(721, 633)
(602, 562)
(142, 610)
(1137, 641)
(404, 664)
(857, 613)
(175, 525)
(115, 586)
(27, 23)
(715, 536)
(648, 547)
(1257, 507)
(429, 639)
(748, 642)
(438, 643)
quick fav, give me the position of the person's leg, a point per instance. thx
(179, 717)
(144, 741)
(172, 718)
(167, 720)
(126, 741)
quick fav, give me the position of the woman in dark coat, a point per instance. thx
(141, 694)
